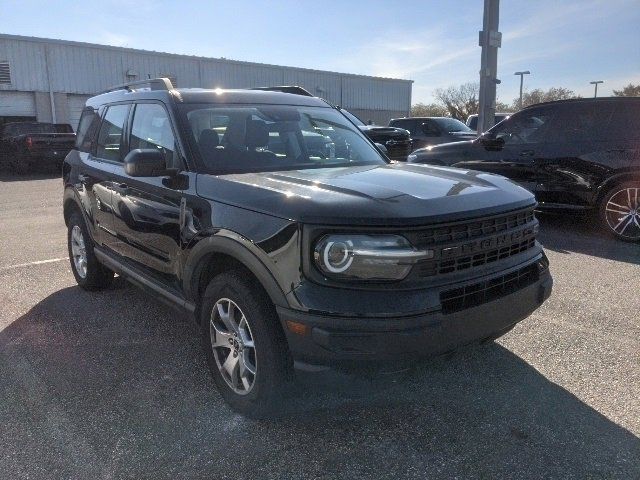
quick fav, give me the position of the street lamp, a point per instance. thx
(522, 74)
(596, 82)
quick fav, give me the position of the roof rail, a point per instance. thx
(150, 84)
(286, 89)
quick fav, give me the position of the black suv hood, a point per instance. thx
(395, 194)
(382, 134)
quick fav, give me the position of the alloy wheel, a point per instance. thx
(79, 251)
(233, 346)
(623, 212)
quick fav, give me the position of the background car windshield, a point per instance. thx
(451, 125)
(238, 139)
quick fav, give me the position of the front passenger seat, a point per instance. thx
(210, 150)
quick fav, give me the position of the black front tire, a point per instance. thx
(97, 276)
(622, 198)
(274, 364)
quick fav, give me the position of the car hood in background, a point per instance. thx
(464, 135)
(384, 133)
(396, 194)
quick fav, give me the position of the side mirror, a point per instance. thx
(382, 148)
(148, 162)
(489, 141)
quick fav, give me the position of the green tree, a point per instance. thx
(429, 110)
(538, 96)
(630, 90)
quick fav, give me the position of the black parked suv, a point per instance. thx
(426, 131)
(224, 204)
(578, 155)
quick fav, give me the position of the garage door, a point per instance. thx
(76, 105)
(17, 104)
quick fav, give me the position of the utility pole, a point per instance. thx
(490, 41)
(596, 82)
(522, 74)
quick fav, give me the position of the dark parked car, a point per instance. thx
(396, 141)
(472, 120)
(213, 201)
(427, 131)
(28, 145)
(581, 154)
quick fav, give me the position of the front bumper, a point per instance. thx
(351, 341)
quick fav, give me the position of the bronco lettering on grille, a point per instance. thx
(486, 244)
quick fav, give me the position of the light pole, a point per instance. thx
(490, 41)
(596, 82)
(522, 74)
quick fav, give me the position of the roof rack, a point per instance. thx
(149, 84)
(286, 89)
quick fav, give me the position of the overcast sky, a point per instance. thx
(565, 43)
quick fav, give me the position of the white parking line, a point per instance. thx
(29, 264)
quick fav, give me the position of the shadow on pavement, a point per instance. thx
(110, 384)
(582, 234)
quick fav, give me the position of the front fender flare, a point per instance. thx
(238, 248)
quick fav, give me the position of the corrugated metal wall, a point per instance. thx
(84, 69)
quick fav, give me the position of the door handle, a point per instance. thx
(82, 177)
(527, 153)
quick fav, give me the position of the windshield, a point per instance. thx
(241, 139)
(451, 125)
(353, 118)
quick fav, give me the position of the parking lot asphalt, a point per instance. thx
(114, 385)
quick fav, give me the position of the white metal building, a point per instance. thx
(39, 76)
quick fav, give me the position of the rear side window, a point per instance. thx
(87, 129)
(151, 129)
(109, 144)
(625, 121)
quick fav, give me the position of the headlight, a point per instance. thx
(412, 157)
(367, 257)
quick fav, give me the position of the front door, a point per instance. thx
(147, 209)
(522, 151)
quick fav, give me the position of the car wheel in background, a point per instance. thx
(620, 211)
(245, 347)
(89, 273)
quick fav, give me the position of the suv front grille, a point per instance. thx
(399, 151)
(467, 245)
(430, 268)
(482, 292)
(480, 228)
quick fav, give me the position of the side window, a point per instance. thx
(407, 125)
(429, 129)
(109, 144)
(87, 127)
(525, 127)
(625, 121)
(151, 128)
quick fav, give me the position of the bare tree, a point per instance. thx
(460, 101)
(538, 96)
(429, 110)
(630, 90)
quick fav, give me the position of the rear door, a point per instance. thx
(147, 209)
(581, 154)
(97, 159)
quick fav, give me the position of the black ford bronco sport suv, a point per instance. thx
(275, 222)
